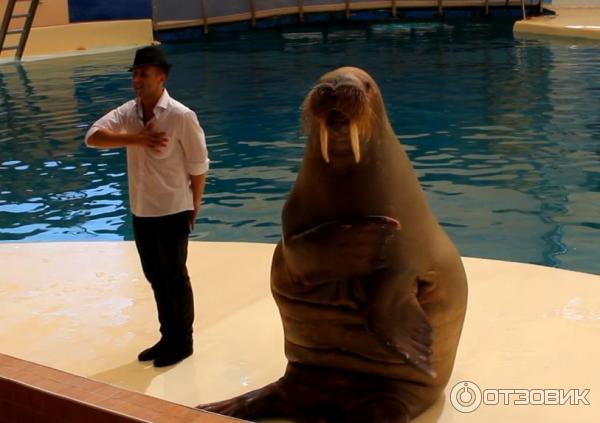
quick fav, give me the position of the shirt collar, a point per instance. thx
(163, 101)
(161, 104)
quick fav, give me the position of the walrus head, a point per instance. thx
(339, 113)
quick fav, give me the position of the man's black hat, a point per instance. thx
(151, 55)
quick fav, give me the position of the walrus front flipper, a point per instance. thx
(398, 321)
(341, 248)
(265, 402)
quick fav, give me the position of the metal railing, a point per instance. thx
(170, 14)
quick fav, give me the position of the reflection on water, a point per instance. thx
(504, 134)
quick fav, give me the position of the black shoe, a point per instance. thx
(151, 353)
(168, 358)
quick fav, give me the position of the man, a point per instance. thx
(167, 161)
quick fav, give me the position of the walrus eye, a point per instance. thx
(367, 86)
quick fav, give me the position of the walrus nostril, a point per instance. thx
(322, 99)
(346, 97)
(348, 90)
(350, 99)
(325, 90)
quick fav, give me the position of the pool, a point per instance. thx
(504, 133)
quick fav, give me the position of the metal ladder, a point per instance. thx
(9, 15)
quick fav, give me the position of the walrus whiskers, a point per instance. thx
(355, 141)
(324, 141)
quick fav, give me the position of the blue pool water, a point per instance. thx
(504, 134)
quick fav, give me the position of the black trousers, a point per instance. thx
(162, 243)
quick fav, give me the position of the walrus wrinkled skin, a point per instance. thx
(372, 292)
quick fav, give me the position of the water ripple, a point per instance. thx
(502, 134)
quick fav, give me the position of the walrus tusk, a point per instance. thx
(324, 141)
(355, 141)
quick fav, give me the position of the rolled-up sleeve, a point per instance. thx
(193, 142)
(113, 120)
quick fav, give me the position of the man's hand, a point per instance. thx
(197, 184)
(149, 138)
(193, 215)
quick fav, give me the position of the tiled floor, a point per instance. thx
(85, 308)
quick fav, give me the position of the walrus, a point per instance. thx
(372, 292)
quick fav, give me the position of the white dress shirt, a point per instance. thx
(159, 182)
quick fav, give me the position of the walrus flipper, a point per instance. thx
(265, 402)
(401, 326)
(341, 248)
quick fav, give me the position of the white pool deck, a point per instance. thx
(570, 20)
(85, 308)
